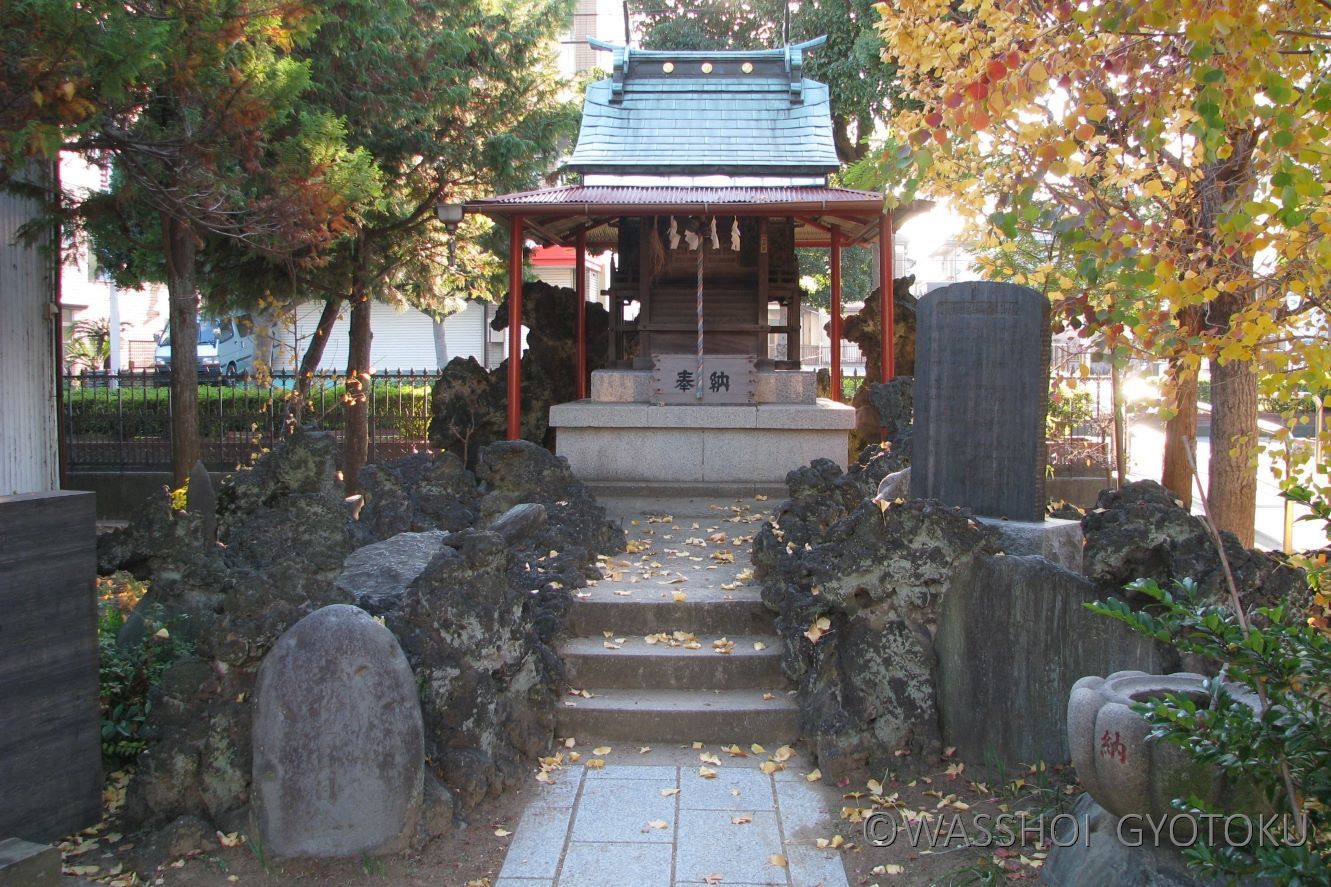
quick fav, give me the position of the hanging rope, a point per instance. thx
(698, 377)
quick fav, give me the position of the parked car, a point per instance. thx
(225, 348)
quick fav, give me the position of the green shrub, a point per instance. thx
(129, 671)
(850, 385)
(1289, 658)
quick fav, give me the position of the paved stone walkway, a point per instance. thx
(655, 817)
(646, 823)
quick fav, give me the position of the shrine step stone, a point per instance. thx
(704, 611)
(689, 662)
(738, 716)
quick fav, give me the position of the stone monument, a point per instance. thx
(981, 394)
(339, 745)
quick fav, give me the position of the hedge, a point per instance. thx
(145, 413)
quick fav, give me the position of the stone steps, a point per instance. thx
(637, 665)
(685, 572)
(662, 693)
(740, 716)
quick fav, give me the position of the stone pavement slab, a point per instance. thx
(602, 827)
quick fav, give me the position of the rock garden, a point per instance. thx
(470, 572)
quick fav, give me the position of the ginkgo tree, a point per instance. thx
(1181, 148)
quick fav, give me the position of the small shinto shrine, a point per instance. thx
(703, 172)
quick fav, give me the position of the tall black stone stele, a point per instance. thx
(981, 394)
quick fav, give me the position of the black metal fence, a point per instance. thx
(118, 422)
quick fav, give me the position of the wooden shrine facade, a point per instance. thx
(661, 281)
(703, 172)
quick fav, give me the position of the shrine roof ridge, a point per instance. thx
(720, 111)
(774, 53)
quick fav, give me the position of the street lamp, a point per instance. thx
(451, 215)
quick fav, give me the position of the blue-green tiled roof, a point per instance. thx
(768, 120)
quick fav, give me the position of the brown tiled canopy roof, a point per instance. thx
(555, 214)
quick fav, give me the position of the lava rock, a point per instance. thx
(895, 486)
(184, 836)
(877, 577)
(377, 575)
(469, 404)
(521, 524)
(420, 492)
(1141, 531)
(487, 699)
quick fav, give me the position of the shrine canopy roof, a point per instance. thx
(738, 112)
(555, 215)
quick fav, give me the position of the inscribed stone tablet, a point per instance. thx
(981, 393)
(339, 747)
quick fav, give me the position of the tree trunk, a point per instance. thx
(1181, 432)
(314, 353)
(1120, 425)
(356, 445)
(179, 247)
(1232, 486)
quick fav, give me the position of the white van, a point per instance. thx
(225, 347)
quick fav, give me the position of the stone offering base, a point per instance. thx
(32, 865)
(1095, 857)
(744, 444)
(1057, 541)
(770, 386)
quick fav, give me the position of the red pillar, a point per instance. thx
(580, 287)
(515, 328)
(835, 262)
(886, 248)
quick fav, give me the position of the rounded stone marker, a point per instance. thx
(338, 739)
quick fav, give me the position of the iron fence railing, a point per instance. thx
(123, 421)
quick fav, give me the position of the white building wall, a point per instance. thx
(403, 338)
(86, 295)
(29, 447)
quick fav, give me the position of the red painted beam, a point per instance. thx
(835, 263)
(515, 328)
(580, 288)
(886, 247)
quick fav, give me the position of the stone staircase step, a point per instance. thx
(704, 611)
(635, 664)
(739, 716)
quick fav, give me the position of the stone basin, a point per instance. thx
(1124, 771)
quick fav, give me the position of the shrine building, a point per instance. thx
(702, 171)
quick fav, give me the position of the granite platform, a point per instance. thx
(617, 442)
